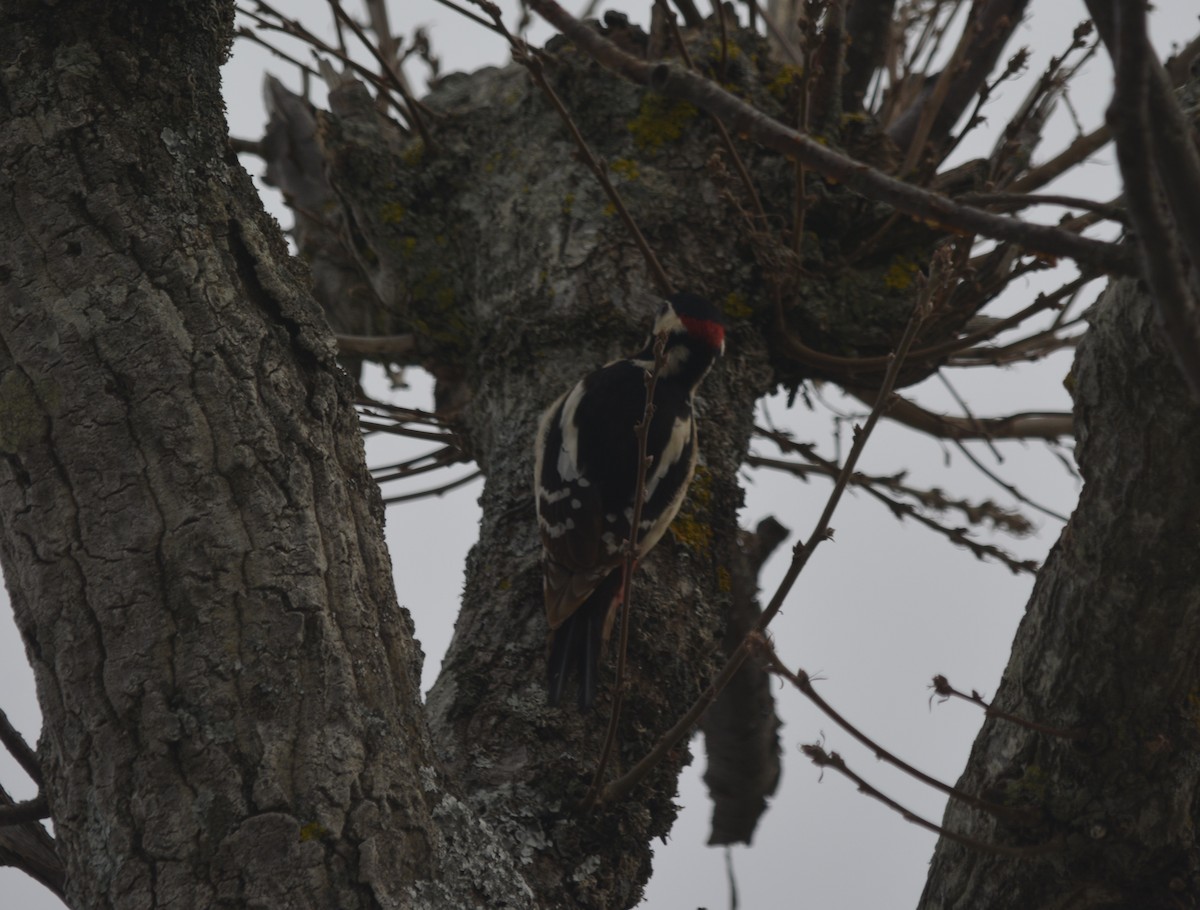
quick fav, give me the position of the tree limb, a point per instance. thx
(984, 38)
(741, 117)
(1050, 425)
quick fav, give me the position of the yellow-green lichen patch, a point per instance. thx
(691, 526)
(660, 121)
(730, 50)
(624, 167)
(900, 273)
(724, 580)
(1028, 789)
(783, 81)
(414, 153)
(313, 831)
(735, 305)
(568, 203)
(392, 213)
(492, 161)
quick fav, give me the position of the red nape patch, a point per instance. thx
(711, 332)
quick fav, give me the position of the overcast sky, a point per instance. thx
(877, 613)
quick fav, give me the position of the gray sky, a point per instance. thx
(877, 613)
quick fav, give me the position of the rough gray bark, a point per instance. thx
(189, 535)
(1110, 646)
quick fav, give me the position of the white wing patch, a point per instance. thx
(568, 455)
(550, 498)
(681, 434)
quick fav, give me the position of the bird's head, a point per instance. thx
(689, 317)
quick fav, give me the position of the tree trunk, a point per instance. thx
(1109, 647)
(189, 535)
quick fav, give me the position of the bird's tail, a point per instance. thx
(578, 643)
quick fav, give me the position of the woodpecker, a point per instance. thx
(586, 476)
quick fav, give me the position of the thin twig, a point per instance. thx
(642, 430)
(474, 17)
(376, 345)
(397, 429)
(823, 759)
(970, 416)
(933, 499)
(932, 105)
(435, 491)
(433, 461)
(726, 139)
(389, 71)
(400, 412)
(1017, 201)
(941, 686)
(1012, 490)
(402, 466)
(249, 35)
(902, 510)
(296, 30)
(1049, 425)
(803, 682)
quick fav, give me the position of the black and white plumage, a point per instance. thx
(586, 476)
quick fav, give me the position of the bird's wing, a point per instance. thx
(581, 505)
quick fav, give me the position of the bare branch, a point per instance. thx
(435, 491)
(250, 35)
(387, 66)
(376, 345)
(1016, 201)
(19, 749)
(984, 38)
(1028, 425)
(1000, 482)
(823, 759)
(902, 510)
(31, 810)
(933, 499)
(803, 683)
(741, 117)
(941, 686)
(474, 17)
(31, 849)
